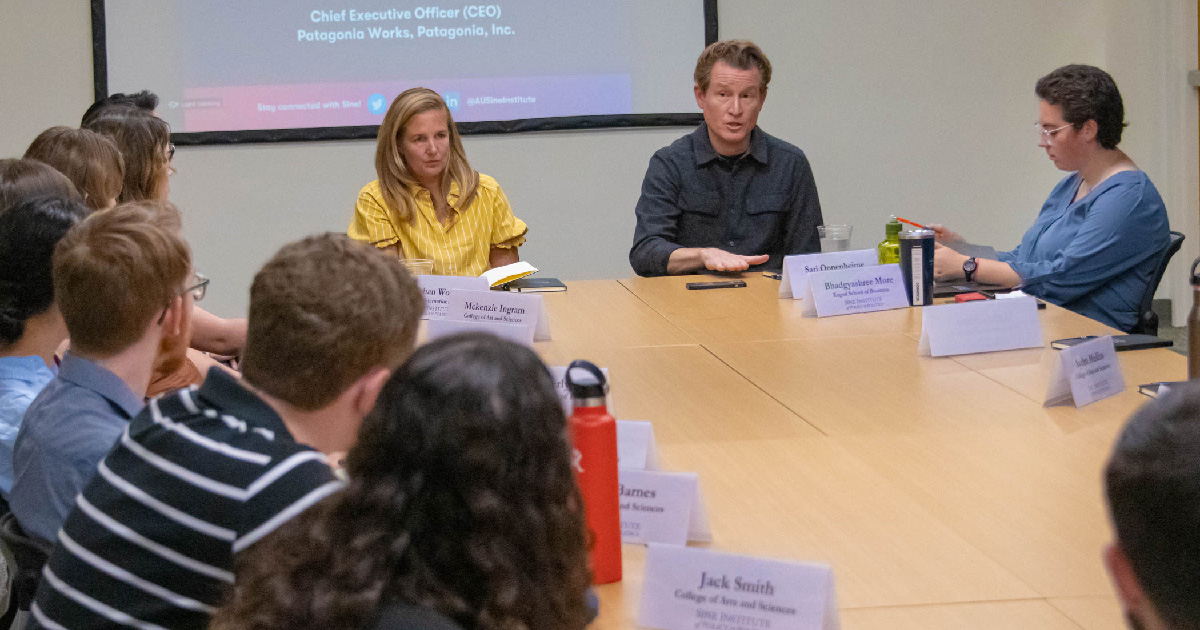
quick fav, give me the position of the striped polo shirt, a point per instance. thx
(197, 477)
(459, 248)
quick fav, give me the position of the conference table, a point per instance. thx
(940, 490)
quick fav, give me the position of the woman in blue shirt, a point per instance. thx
(1095, 245)
(31, 328)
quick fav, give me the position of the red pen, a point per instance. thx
(902, 220)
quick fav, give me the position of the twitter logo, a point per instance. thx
(376, 104)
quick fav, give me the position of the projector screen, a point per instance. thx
(235, 71)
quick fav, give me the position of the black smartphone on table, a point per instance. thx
(1120, 342)
(719, 284)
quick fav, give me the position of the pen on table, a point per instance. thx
(903, 220)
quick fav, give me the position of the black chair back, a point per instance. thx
(1147, 323)
(31, 555)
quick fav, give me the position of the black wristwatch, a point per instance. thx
(969, 267)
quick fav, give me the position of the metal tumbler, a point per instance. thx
(916, 265)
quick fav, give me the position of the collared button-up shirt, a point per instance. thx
(67, 430)
(196, 477)
(21, 378)
(459, 248)
(1096, 255)
(764, 202)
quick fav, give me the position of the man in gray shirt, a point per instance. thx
(728, 196)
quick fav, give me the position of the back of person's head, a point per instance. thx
(116, 272)
(1086, 93)
(325, 311)
(144, 100)
(22, 179)
(144, 141)
(1153, 485)
(738, 54)
(28, 233)
(395, 175)
(461, 499)
(90, 160)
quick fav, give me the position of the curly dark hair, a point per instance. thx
(1086, 93)
(461, 499)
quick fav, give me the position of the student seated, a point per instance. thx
(144, 141)
(428, 202)
(1152, 482)
(1096, 244)
(122, 282)
(31, 327)
(145, 100)
(461, 510)
(204, 474)
(21, 180)
(91, 161)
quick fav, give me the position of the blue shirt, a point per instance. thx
(1097, 255)
(68, 429)
(21, 378)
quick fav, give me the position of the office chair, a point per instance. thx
(31, 555)
(1147, 323)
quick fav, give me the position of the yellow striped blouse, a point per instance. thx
(460, 248)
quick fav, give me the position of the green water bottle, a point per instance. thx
(889, 248)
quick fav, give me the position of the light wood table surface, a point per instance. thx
(940, 490)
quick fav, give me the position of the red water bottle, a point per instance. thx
(594, 434)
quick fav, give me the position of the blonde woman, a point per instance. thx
(428, 202)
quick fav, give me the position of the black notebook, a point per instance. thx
(536, 285)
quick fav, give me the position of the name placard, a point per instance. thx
(435, 328)
(1086, 373)
(858, 290)
(656, 506)
(559, 373)
(980, 326)
(436, 290)
(636, 447)
(687, 589)
(796, 268)
(500, 307)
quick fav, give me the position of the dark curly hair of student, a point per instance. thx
(28, 233)
(461, 500)
(1086, 93)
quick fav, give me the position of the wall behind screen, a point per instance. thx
(923, 110)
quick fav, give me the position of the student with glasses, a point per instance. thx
(121, 281)
(1095, 245)
(206, 475)
(144, 141)
(174, 367)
